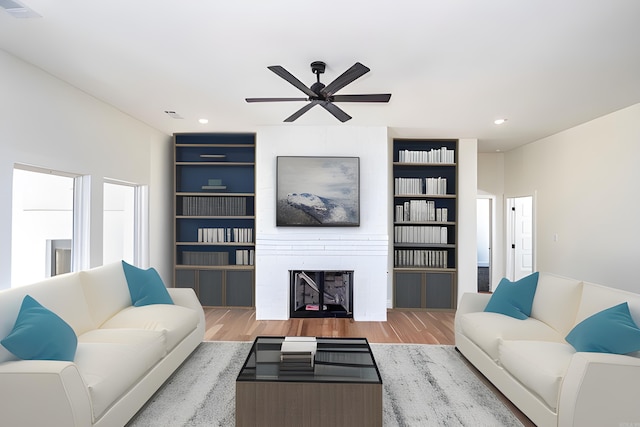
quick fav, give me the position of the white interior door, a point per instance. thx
(520, 237)
(484, 239)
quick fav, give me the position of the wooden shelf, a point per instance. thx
(425, 273)
(229, 159)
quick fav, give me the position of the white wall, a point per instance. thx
(467, 217)
(363, 249)
(47, 123)
(586, 185)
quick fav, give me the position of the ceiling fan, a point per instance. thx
(319, 94)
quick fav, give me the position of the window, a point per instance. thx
(46, 219)
(122, 234)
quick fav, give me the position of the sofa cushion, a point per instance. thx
(145, 286)
(514, 298)
(595, 298)
(609, 331)
(106, 291)
(111, 368)
(556, 301)
(40, 334)
(61, 294)
(487, 329)
(175, 321)
(540, 366)
(120, 336)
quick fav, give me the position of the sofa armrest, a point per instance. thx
(43, 392)
(600, 389)
(186, 297)
(472, 302)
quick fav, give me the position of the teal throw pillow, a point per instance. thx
(609, 331)
(145, 286)
(40, 334)
(514, 299)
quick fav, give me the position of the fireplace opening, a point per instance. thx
(321, 293)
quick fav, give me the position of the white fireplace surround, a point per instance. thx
(364, 249)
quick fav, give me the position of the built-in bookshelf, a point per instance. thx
(215, 217)
(424, 223)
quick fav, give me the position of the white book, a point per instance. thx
(299, 345)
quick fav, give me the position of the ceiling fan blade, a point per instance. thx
(336, 111)
(356, 71)
(301, 111)
(291, 79)
(378, 97)
(274, 99)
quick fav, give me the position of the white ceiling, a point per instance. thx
(453, 66)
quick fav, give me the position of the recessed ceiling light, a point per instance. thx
(203, 121)
(499, 121)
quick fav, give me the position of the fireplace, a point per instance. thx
(321, 293)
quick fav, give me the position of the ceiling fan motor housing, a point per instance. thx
(318, 67)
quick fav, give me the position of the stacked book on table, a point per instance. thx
(297, 355)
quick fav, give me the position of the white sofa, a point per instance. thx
(124, 353)
(532, 364)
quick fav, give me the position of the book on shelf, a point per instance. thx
(419, 186)
(205, 258)
(213, 156)
(244, 256)
(435, 155)
(225, 235)
(420, 234)
(214, 206)
(419, 211)
(423, 258)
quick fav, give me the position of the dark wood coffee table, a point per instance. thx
(343, 389)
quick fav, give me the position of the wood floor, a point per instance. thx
(401, 327)
(416, 327)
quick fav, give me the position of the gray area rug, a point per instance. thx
(423, 385)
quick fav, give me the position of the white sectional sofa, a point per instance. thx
(533, 365)
(124, 352)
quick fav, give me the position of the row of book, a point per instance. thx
(420, 211)
(425, 258)
(420, 234)
(434, 186)
(245, 257)
(221, 235)
(435, 155)
(214, 206)
(205, 258)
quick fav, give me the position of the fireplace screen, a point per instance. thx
(321, 293)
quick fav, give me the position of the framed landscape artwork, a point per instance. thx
(318, 191)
